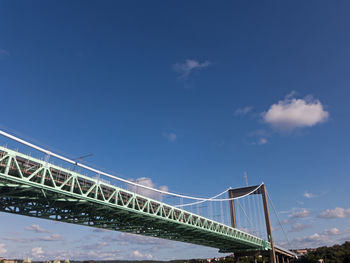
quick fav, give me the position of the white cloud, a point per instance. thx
(262, 141)
(300, 213)
(170, 136)
(146, 192)
(37, 252)
(243, 111)
(337, 212)
(138, 254)
(188, 66)
(3, 250)
(324, 238)
(309, 195)
(311, 241)
(36, 228)
(292, 113)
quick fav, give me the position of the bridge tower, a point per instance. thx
(234, 193)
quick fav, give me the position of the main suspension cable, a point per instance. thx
(199, 202)
(99, 172)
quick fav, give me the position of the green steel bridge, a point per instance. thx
(37, 188)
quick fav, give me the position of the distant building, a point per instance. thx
(26, 260)
(301, 251)
(304, 251)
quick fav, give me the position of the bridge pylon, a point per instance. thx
(249, 190)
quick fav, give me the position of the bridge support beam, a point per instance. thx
(268, 223)
(232, 209)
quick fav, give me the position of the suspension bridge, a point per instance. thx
(36, 187)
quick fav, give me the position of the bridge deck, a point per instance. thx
(32, 187)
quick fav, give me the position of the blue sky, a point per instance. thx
(190, 95)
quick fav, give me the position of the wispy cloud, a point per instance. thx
(53, 237)
(337, 212)
(36, 228)
(138, 255)
(317, 239)
(95, 253)
(4, 53)
(49, 238)
(297, 227)
(94, 246)
(300, 213)
(243, 111)
(262, 141)
(331, 232)
(291, 113)
(170, 136)
(189, 66)
(101, 230)
(103, 255)
(126, 239)
(260, 137)
(285, 221)
(3, 250)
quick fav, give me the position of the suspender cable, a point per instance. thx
(278, 219)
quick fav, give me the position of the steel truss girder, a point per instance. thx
(31, 187)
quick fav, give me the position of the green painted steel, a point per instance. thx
(32, 187)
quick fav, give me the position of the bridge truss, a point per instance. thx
(32, 187)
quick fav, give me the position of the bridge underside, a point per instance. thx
(32, 187)
(29, 201)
